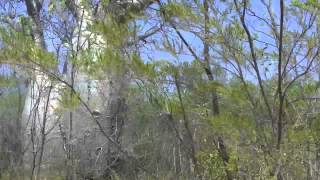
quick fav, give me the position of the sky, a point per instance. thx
(149, 52)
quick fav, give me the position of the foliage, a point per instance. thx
(217, 90)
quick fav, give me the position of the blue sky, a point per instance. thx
(149, 52)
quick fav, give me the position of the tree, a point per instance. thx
(160, 89)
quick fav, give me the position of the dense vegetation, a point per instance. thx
(154, 89)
